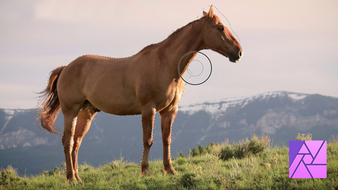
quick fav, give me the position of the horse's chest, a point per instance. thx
(160, 94)
(171, 95)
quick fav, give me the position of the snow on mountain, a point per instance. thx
(217, 106)
(297, 97)
(9, 115)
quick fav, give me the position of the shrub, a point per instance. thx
(188, 180)
(55, 171)
(245, 148)
(255, 145)
(181, 161)
(181, 154)
(208, 149)
(195, 152)
(302, 137)
(8, 176)
(115, 165)
(85, 168)
(227, 152)
(200, 149)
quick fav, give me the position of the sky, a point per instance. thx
(287, 45)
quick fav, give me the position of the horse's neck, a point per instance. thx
(190, 39)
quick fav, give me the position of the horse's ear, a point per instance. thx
(205, 13)
(211, 12)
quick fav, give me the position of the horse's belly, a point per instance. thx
(122, 110)
(115, 103)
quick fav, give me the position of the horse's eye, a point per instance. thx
(221, 28)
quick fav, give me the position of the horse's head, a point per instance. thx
(219, 38)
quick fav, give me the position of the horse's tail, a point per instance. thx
(50, 105)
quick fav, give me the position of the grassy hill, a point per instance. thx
(246, 165)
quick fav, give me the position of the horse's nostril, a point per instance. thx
(240, 53)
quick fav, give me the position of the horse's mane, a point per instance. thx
(171, 36)
(179, 30)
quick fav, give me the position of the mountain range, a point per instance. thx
(281, 115)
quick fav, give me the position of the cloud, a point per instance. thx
(129, 13)
(288, 45)
(75, 11)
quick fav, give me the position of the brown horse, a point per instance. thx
(145, 83)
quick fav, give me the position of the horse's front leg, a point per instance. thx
(167, 118)
(148, 116)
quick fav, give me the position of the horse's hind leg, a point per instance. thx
(84, 120)
(70, 115)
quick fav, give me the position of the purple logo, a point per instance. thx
(307, 159)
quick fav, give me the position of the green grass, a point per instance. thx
(252, 165)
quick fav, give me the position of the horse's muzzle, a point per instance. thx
(235, 57)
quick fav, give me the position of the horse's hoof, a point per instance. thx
(71, 180)
(145, 172)
(169, 170)
(78, 179)
(173, 172)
